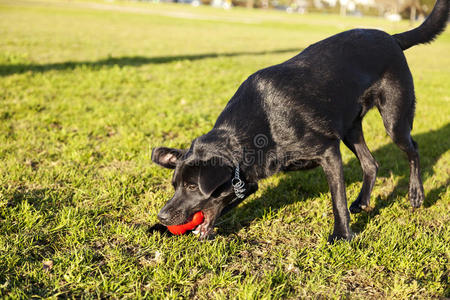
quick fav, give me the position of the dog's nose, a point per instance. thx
(163, 217)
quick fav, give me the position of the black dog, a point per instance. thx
(293, 116)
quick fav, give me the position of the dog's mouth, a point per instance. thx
(204, 228)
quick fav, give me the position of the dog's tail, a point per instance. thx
(430, 28)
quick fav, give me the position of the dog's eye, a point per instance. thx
(190, 186)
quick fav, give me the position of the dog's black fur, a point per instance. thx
(294, 115)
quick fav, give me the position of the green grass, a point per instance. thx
(86, 90)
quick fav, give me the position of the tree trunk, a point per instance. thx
(343, 10)
(412, 17)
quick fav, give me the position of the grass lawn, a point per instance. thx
(88, 88)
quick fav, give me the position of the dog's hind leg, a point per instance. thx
(396, 106)
(354, 140)
(332, 166)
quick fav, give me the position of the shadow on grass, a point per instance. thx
(432, 145)
(136, 61)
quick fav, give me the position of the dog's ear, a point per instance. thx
(167, 157)
(211, 177)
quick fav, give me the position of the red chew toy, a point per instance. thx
(197, 219)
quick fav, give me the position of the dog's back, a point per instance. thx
(337, 80)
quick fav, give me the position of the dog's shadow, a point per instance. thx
(135, 61)
(432, 145)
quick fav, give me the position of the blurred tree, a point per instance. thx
(411, 8)
(427, 5)
(397, 6)
(388, 6)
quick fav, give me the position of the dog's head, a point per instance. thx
(204, 185)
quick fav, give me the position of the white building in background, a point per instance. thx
(347, 5)
(350, 3)
(331, 3)
(365, 2)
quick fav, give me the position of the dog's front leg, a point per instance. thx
(332, 166)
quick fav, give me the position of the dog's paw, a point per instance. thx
(416, 195)
(207, 237)
(357, 207)
(205, 233)
(336, 237)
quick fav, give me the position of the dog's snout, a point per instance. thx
(163, 216)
